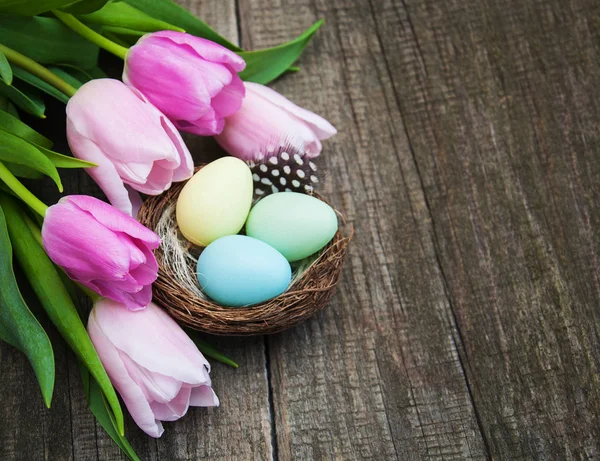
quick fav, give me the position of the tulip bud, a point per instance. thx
(267, 120)
(193, 81)
(130, 140)
(102, 248)
(152, 363)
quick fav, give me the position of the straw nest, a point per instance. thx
(177, 289)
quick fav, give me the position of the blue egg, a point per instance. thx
(237, 270)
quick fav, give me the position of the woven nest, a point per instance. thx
(177, 290)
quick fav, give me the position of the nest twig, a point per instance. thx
(177, 290)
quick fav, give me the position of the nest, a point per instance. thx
(177, 289)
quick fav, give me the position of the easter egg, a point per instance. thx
(238, 271)
(215, 202)
(297, 225)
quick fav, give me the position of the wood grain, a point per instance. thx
(378, 375)
(501, 110)
(466, 323)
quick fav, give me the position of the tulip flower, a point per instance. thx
(131, 141)
(193, 81)
(152, 363)
(268, 119)
(102, 248)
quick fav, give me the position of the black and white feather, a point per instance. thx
(284, 168)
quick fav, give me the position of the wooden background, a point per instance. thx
(467, 322)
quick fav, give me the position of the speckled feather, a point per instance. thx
(284, 169)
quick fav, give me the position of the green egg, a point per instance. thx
(296, 225)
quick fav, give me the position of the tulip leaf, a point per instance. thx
(7, 107)
(17, 127)
(40, 84)
(18, 326)
(27, 99)
(31, 7)
(209, 350)
(22, 171)
(54, 297)
(64, 161)
(121, 14)
(6, 73)
(60, 44)
(263, 66)
(101, 410)
(16, 150)
(67, 77)
(169, 11)
(84, 6)
(80, 74)
(122, 36)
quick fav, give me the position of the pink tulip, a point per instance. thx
(152, 363)
(266, 119)
(102, 248)
(130, 140)
(192, 80)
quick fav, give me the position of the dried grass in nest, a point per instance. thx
(177, 289)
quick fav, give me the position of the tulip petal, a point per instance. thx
(70, 239)
(105, 174)
(229, 100)
(185, 170)
(118, 222)
(132, 394)
(112, 290)
(258, 124)
(168, 350)
(119, 120)
(321, 127)
(206, 49)
(156, 387)
(136, 200)
(204, 396)
(175, 409)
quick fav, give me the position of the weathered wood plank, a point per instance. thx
(240, 429)
(500, 102)
(377, 374)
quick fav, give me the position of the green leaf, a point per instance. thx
(5, 69)
(263, 66)
(25, 98)
(67, 77)
(123, 31)
(59, 45)
(40, 84)
(120, 14)
(17, 150)
(171, 12)
(55, 299)
(31, 7)
(17, 127)
(8, 107)
(209, 350)
(64, 161)
(18, 326)
(22, 171)
(81, 74)
(101, 411)
(84, 6)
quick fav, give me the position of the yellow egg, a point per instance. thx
(215, 201)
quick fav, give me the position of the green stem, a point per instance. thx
(21, 191)
(28, 64)
(72, 22)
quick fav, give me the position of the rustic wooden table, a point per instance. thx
(466, 325)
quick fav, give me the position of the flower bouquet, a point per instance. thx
(243, 245)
